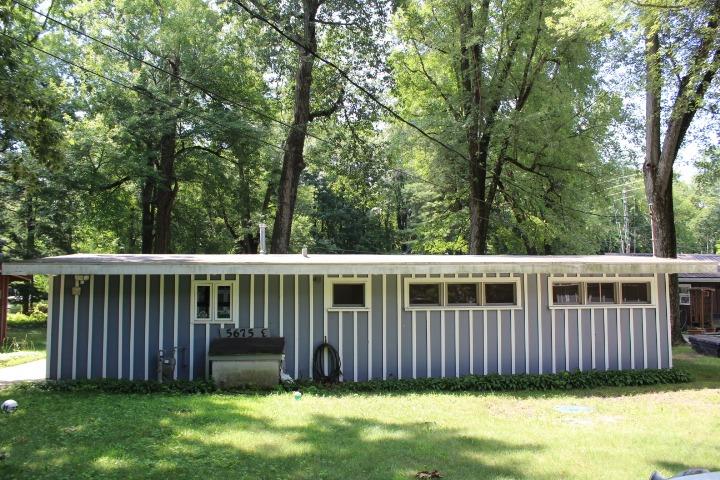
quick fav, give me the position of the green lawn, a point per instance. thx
(629, 433)
(23, 344)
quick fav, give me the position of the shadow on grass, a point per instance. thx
(216, 437)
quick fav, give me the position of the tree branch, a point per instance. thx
(326, 112)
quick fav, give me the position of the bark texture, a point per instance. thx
(293, 158)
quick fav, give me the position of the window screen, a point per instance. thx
(635, 292)
(500, 293)
(224, 301)
(601, 293)
(348, 295)
(462, 294)
(424, 294)
(202, 301)
(566, 293)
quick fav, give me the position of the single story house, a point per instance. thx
(389, 316)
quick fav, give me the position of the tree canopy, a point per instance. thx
(469, 126)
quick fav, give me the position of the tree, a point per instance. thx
(519, 96)
(349, 29)
(692, 30)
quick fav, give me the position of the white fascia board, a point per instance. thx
(351, 264)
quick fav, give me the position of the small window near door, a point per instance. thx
(635, 292)
(424, 294)
(463, 294)
(601, 293)
(202, 301)
(348, 295)
(500, 294)
(224, 301)
(566, 293)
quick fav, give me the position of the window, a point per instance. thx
(635, 292)
(463, 294)
(348, 295)
(566, 293)
(424, 294)
(213, 302)
(594, 292)
(601, 293)
(202, 302)
(500, 293)
(224, 301)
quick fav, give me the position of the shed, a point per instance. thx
(389, 316)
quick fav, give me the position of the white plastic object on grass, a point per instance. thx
(297, 395)
(9, 406)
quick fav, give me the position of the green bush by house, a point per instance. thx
(468, 383)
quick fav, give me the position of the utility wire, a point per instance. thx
(346, 76)
(242, 106)
(206, 91)
(140, 91)
(223, 98)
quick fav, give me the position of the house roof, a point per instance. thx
(102, 264)
(700, 276)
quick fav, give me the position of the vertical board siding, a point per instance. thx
(66, 330)
(96, 340)
(153, 327)
(53, 326)
(91, 334)
(573, 347)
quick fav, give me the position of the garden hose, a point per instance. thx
(333, 369)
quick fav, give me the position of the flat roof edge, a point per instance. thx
(536, 267)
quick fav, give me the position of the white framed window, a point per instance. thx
(213, 301)
(347, 294)
(600, 292)
(564, 292)
(472, 293)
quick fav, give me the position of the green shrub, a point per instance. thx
(504, 383)
(37, 318)
(468, 383)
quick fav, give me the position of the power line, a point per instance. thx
(242, 106)
(206, 91)
(140, 91)
(346, 76)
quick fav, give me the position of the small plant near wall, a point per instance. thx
(468, 383)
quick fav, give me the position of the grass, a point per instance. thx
(629, 433)
(23, 344)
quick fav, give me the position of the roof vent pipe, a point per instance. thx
(304, 251)
(263, 250)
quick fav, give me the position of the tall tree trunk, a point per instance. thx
(167, 186)
(659, 158)
(293, 159)
(471, 83)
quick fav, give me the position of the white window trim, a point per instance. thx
(583, 281)
(214, 284)
(330, 281)
(443, 293)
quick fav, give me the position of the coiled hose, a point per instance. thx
(333, 369)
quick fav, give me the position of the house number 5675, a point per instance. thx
(246, 332)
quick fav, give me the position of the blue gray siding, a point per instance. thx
(117, 324)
